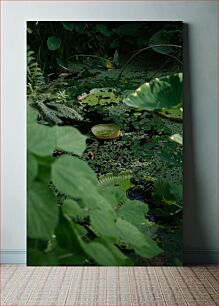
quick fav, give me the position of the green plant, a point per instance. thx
(122, 180)
(52, 107)
(105, 201)
(108, 230)
(171, 38)
(100, 96)
(165, 92)
(106, 131)
(35, 76)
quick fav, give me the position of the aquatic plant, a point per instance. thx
(106, 131)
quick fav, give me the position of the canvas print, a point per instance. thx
(104, 143)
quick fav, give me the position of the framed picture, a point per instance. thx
(104, 143)
(105, 85)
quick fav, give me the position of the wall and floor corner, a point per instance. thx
(200, 98)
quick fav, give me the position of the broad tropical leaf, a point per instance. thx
(42, 211)
(69, 139)
(41, 140)
(165, 92)
(142, 245)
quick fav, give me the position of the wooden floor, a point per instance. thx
(123, 286)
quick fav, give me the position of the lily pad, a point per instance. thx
(100, 96)
(173, 113)
(106, 131)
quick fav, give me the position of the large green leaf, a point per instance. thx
(67, 237)
(163, 38)
(53, 43)
(104, 255)
(74, 177)
(72, 209)
(32, 169)
(44, 168)
(162, 192)
(70, 140)
(42, 212)
(41, 140)
(133, 212)
(142, 245)
(31, 115)
(165, 92)
(103, 223)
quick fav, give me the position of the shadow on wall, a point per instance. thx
(193, 228)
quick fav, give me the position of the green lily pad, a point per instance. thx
(173, 113)
(100, 96)
(106, 131)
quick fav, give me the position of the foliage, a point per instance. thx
(104, 201)
(104, 39)
(163, 37)
(53, 43)
(144, 148)
(52, 110)
(122, 180)
(35, 76)
(100, 96)
(175, 113)
(103, 242)
(106, 131)
(165, 92)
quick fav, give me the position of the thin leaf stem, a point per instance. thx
(147, 48)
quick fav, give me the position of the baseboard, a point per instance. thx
(191, 257)
(13, 256)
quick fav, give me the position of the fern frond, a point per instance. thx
(122, 180)
(65, 111)
(47, 113)
(35, 75)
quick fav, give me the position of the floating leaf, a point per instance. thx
(53, 43)
(106, 131)
(177, 138)
(175, 113)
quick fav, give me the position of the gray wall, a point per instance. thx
(201, 97)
